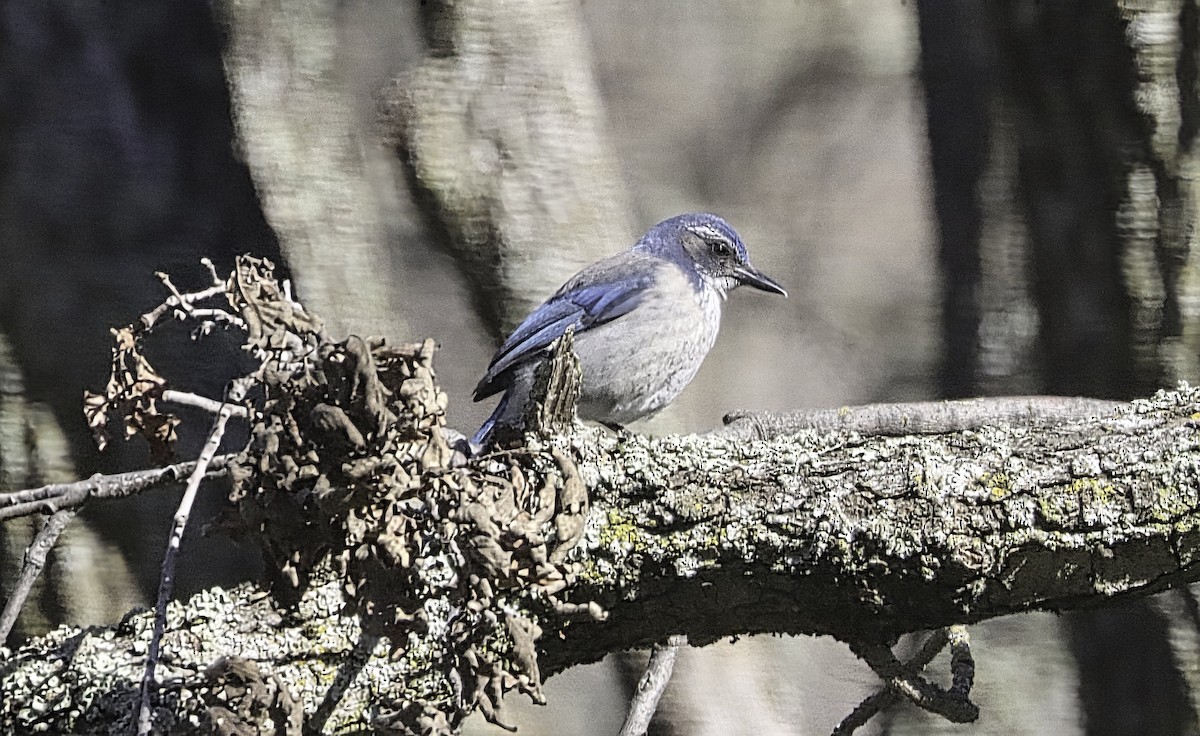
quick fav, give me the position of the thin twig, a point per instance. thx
(871, 705)
(59, 496)
(35, 560)
(651, 686)
(952, 704)
(211, 406)
(212, 270)
(149, 319)
(166, 280)
(918, 417)
(209, 315)
(237, 392)
(885, 698)
(184, 305)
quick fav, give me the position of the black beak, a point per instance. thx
(751, 276)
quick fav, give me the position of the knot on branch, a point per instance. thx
(553, 397)
(557, 383)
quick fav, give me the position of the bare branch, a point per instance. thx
(952, 704)
(151, 318)
(56, 497)
(237, 392)
(887, 697)
(918, 417)
(962, 664)
(651, 686)
(35, 560)
(211, 406)
(185, 304)
(212, 271)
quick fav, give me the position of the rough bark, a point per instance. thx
(863, 538)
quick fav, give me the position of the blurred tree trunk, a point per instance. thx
(298, 128)
(1061, 138)
(502, 129)
(85, 578)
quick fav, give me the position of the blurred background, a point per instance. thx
(963, 198)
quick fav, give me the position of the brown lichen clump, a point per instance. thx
(348, 474)
(349, 469)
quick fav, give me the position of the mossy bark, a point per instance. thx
(859, 537)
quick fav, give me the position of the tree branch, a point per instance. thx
(236, 392)
(887, 697)
(52, 498)
(951, 704)
(35, 560)
(651, 686)
(818, 532)
(869, 538)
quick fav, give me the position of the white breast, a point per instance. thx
(639, 363)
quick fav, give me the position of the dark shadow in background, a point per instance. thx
(1059, 77)
(117, 161)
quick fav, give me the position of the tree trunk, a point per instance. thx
(503, 131)
(311, 158)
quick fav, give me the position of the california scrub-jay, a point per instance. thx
(644, 319)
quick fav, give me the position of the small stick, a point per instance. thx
(212, 270)
(237, 392)
(651, 686)
(202, 402)
(35, 560)
(149, 319)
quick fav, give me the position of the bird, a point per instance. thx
(644, 319)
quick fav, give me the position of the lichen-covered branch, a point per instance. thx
(411, 586)
(863, 538)
(868, 538)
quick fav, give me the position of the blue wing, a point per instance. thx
(575, 305)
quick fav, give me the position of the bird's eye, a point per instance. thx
(720, 248)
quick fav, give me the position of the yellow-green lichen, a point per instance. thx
(1100, 489)
(997, 484)
(620, 530)
(1170, 504)
(590, 573)
(916, 478)
(1059, 508)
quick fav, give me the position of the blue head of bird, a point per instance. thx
(708, 250)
